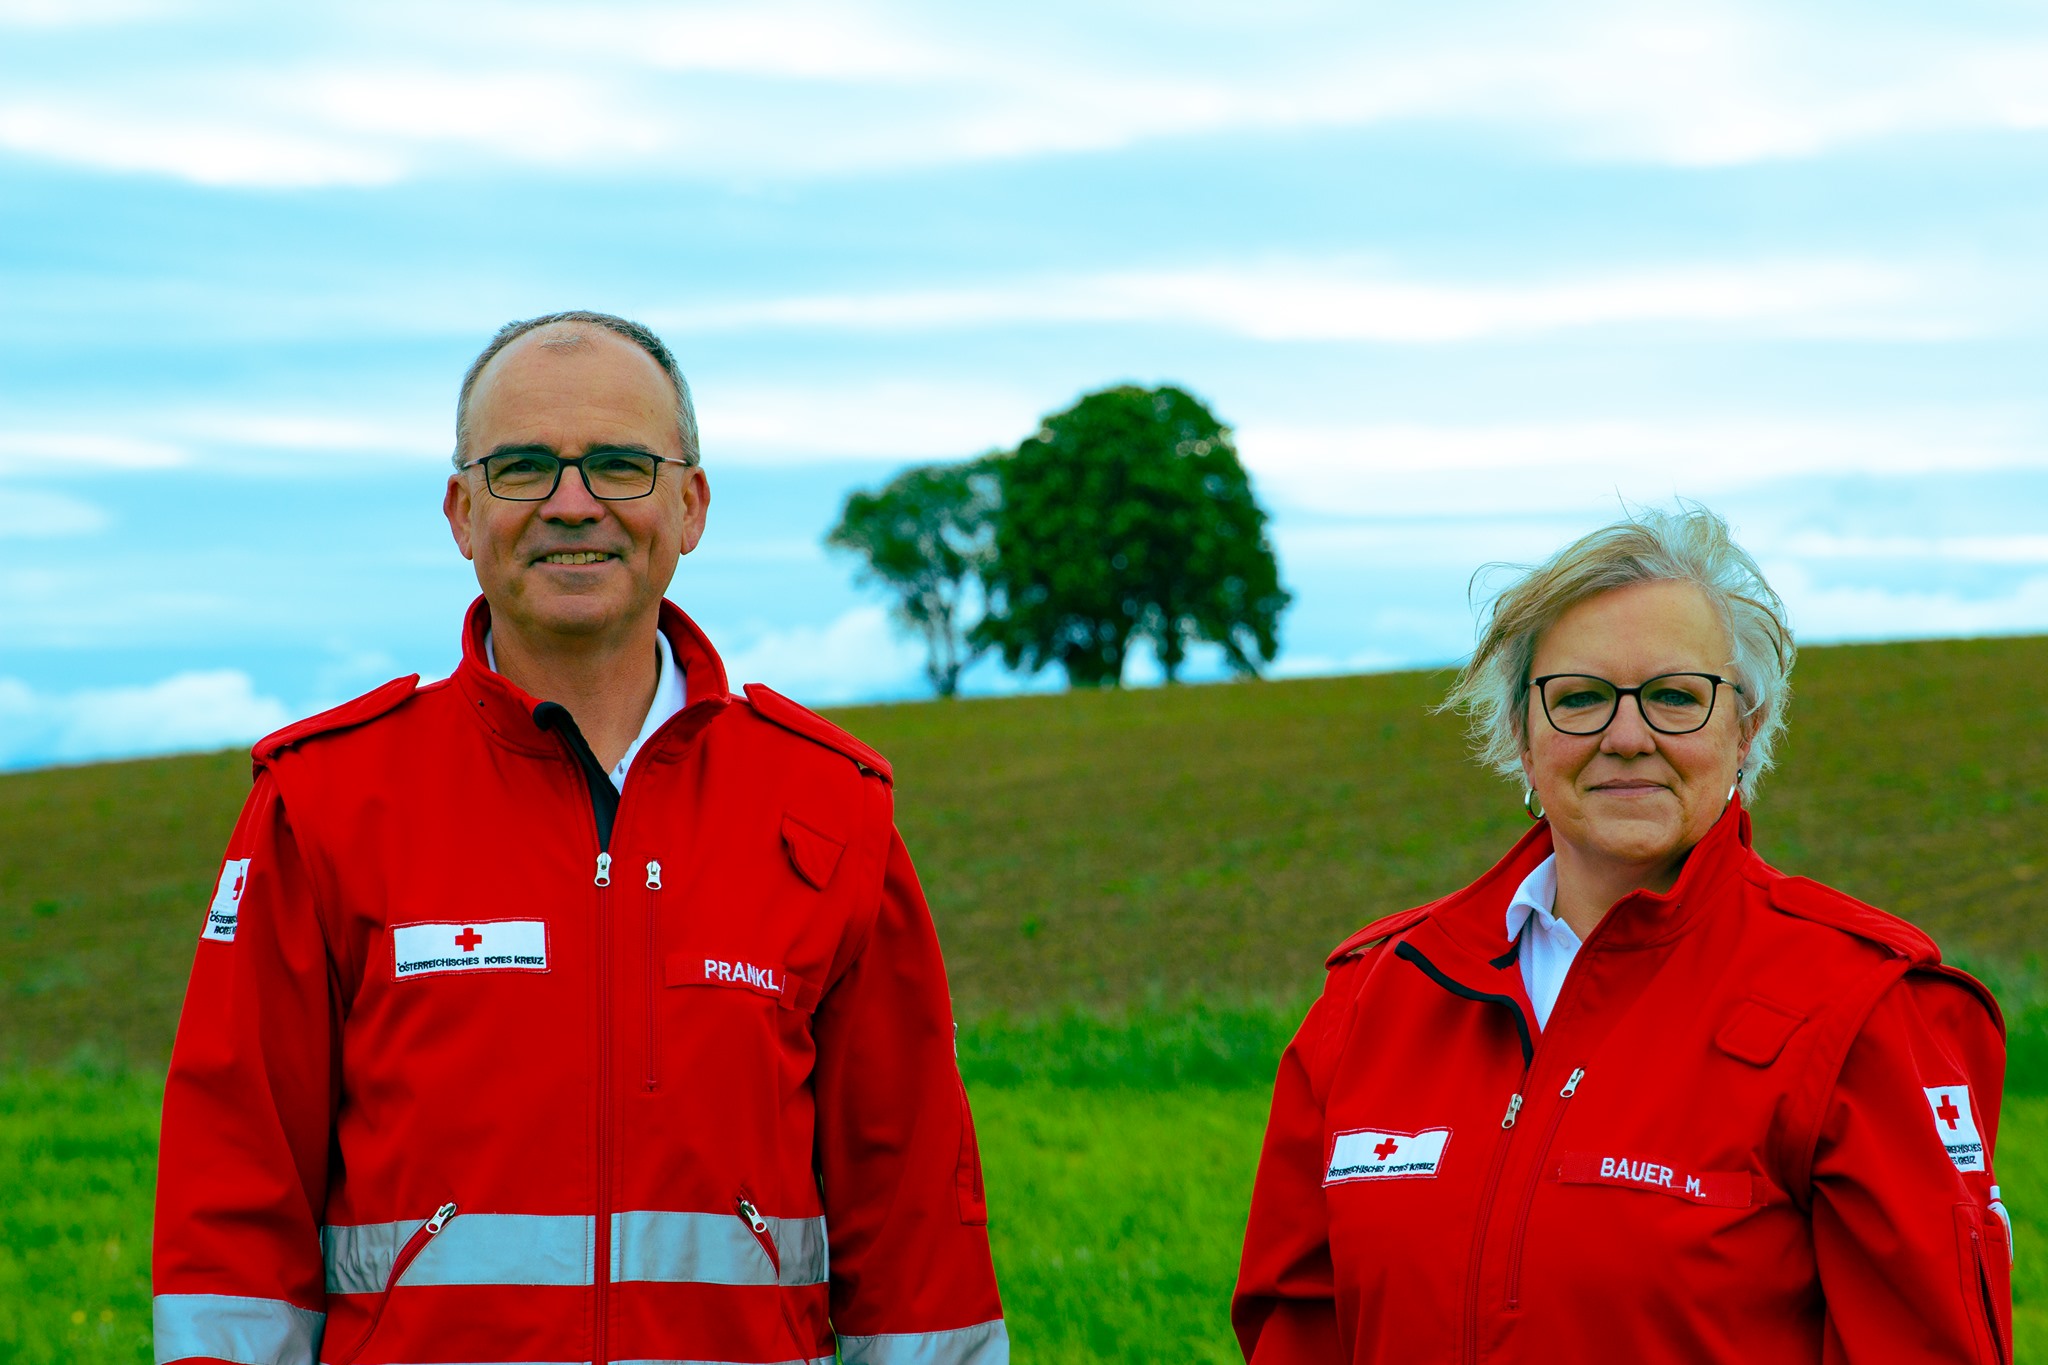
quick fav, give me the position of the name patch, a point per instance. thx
(762, 979)
(501, 945)
(1720, 1189)
(1955, 1122)
(226, 911)
(1376, 1154)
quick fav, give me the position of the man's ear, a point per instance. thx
(455, 505)
(696, 506)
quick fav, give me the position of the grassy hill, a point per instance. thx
(1132, 848)
(1164, 855)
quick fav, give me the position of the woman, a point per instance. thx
(1634, 1095)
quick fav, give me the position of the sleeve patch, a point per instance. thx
(225, 912)
(1955, 1122)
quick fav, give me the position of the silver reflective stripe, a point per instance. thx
(228, 1327)
(714, 1248)
(985, 1343)
(474, 1248)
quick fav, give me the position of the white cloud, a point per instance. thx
(861, 655)
(1974, 549)
(234, 147)
(418, 435)
(80, 13)
(85, 450)
(374, 92)
(1338, 301)
(889, 419)
(189, 711)
(33, 514)
(1853, 612)
(1537, 468)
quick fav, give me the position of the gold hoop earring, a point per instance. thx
(1532, 803)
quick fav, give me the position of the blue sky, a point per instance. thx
(1462, 276)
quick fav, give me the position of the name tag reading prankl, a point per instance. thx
(499, 945)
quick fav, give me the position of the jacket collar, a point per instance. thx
(1470, 925)
(507, 710)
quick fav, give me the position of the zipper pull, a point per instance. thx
(753, 1216)
(440, 1219)
(1571, 1087)
(1998, 1207)
(654, 876)
(1514, 1108)
(604, 869)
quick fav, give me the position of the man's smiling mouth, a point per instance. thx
(576, 557)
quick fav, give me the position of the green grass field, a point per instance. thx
(1176, 860)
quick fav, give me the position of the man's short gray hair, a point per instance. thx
(640, 335)
(1690, 545)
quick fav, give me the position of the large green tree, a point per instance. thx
(925, 537)
(1128, 517)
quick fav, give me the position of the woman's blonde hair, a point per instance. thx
(1689, 545)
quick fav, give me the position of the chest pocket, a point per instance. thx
(812, 853)
(1757, 1030)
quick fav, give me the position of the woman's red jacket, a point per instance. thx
(1758, 1128)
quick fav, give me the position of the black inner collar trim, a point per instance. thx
(1405, 949)
(604, 797)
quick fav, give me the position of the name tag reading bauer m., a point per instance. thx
(501, 945)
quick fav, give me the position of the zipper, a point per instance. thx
(1486, 1196)
(407, 1254)
(653, 984)
(751, 1216)
(600, 1320)
(1564, 1097)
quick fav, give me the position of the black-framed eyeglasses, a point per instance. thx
(533, 475)
(1671, 703)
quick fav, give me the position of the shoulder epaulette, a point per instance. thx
(1810, 900)
(771, 705)
(1385, 928)
(367, 707)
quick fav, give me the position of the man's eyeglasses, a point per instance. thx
(533, 475)
(1671, 703)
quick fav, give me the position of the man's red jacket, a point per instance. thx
(454, 1083)
(1758, 1128)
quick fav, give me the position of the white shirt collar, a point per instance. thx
(1537, 895)
(669, 698)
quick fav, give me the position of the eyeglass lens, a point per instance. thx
(531, 476)
(1674, 704)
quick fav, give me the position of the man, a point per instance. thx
(572, 1008)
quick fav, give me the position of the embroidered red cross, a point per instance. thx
(468, 939)
(1948, 1113)
(1385, 1149)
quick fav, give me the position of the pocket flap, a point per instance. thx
(1757, 1030)
(815, 856)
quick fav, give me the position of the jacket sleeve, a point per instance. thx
(248, 1110)
(911, 1276)
(1284, 1309)
(1914, 1261)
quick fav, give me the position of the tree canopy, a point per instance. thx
(1128, 517)
(926, 536)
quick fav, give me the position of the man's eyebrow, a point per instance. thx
(603, 448)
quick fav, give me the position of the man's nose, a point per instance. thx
(572, 501)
